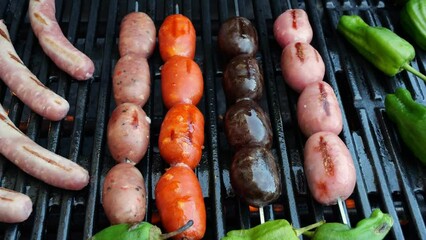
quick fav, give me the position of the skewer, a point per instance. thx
(343, 212)
(237, 11)
(262, 215)
(177, 8)
(136, 6)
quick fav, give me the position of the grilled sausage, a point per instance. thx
(25, 85)
(61, 51)
(176, 36)
(128, 133)
(137, 35)
(318, 109)
(15, 207)
(255, 177)
(181, 137)
(292, 26)
(247, 125)
(301, 64)
(179, 198)
(242, 79)
(124, 194)
(131, 80)
(181, 81)
(37, 161)
(236, 36)
(329, 168)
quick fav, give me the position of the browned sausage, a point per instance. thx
(37, 161)
(55, 44)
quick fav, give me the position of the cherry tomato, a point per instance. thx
(176, 37)
(181, 81)
(182, 135)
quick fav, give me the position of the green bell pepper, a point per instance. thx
(410, 119)
(270, 230)
(375, 227)
(413, 21)
(380, 46)
(140, 231)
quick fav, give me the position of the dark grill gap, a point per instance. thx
(388, 175)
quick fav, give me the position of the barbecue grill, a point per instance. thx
(388, 175)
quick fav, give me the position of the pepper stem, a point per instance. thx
(179, 231)
(304, 230)
(414, 71)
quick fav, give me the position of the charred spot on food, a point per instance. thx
(294, 17)
(16, 58)
(323, 99)
(135, 119)
(299, 51)
(6, 199)
(40, 18)
(4, 35)
(48, 160)
(326, 157)
(4, 119)
(37, 82)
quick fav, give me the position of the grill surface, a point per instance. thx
(388, 176)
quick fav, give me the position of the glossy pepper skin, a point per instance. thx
(410, 119)
(379, 45)
(413, 21)
(375, 227)
(143, 230)
(271, 230)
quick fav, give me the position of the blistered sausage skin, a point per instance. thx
(25, 85)
(59, 49)
(137, 35)
(15, 207)
(37, 161)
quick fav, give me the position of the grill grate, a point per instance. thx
(388, 176)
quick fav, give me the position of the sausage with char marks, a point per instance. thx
(25, 85)
(37, 161)
(15, 207)
(59, 49)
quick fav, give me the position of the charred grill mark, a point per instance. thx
(4, 35)
(135, 119)
(16, 58)
(294, 17)
(299, 52)
(323, 99)
(37, 82)
(188, 66)
(40, 18)
(326, 158)
(6, 199)
(48, 160)
(4, 119)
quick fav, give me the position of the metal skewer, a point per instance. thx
(343, 212)
(262, 215)
(237, 10)
(177, 8)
